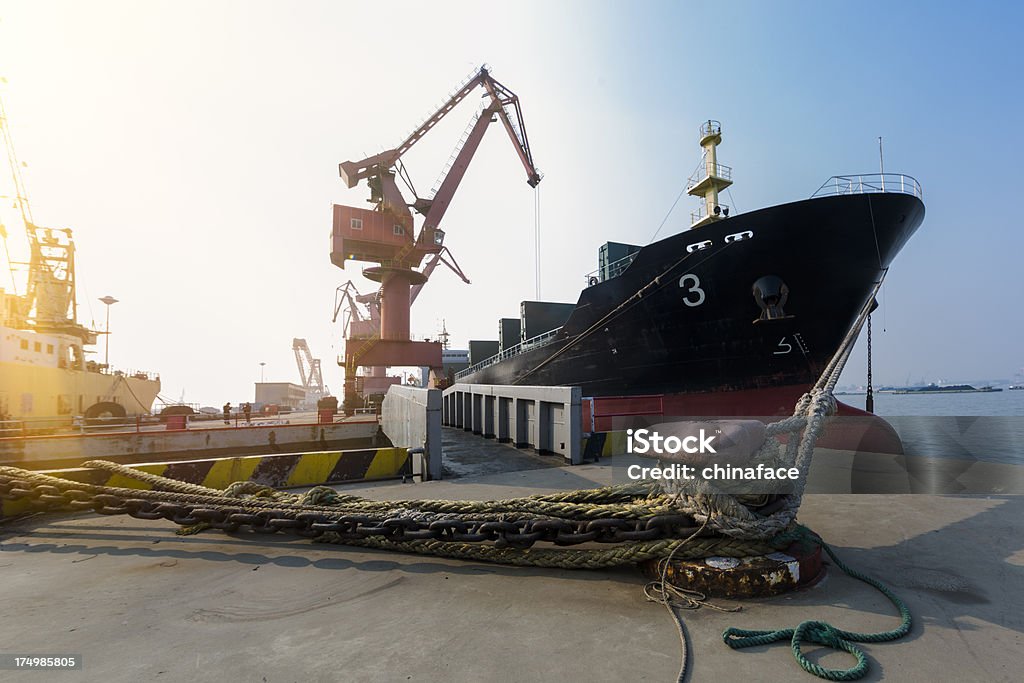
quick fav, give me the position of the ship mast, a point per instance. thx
(710, 178)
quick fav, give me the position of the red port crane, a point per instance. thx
(385, 234)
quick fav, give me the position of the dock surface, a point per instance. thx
(139, 603)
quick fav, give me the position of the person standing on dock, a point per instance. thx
(227, 413)
(247, 410)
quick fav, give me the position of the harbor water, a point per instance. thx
(987, 426)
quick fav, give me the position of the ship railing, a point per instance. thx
(69, 425)
(701, 213)
(705, 169)
(613, 269)
(73, 424)
(532, 343)
(93, 366)
(710, 127)
(870, 183)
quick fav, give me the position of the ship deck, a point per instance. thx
(138, 602)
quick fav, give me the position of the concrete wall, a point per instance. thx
(547, 419)
(65, 450)
(411, 418)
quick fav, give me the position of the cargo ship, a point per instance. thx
(46, 378)
(736, 316)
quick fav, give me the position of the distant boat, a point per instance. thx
(1017, 387)
(946, 389)
(44, 372)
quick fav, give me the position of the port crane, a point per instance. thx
(309, 371)
(361, 319)
(385, 235)
(368, 323)
(50, 302)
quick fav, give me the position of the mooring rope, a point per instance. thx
(383, 524)
(708, 505)
(730, 525)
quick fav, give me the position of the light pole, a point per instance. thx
(109, 301)
(261, 372)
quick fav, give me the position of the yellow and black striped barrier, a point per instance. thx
(603, 445)
(286, 470)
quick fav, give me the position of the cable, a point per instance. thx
(536, 229)
(732, 201)
(670, 210)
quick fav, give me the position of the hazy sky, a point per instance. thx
(193, 147)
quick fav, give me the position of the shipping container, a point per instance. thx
(510, 332)
(614, 257)
(482, 350)
(538, 317)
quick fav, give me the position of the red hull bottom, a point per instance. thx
(857, 430)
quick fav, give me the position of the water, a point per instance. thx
(978, 426)
(1005, 403)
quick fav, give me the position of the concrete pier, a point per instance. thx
(138, 602)
(68, 450)
(546, 419)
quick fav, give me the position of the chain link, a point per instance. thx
(230, 516)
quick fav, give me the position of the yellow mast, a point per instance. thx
(710, 178)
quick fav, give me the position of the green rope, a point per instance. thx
(823, 633)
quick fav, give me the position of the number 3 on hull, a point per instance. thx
(694, 294)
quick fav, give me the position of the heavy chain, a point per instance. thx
(869, 400)
(314, 522)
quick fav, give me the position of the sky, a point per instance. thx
(193, 148)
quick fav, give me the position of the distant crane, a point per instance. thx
(50, 303)
(362, 317)
(309, 371)
(358, 323)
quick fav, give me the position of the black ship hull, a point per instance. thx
(684, 318)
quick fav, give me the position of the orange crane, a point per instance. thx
(355, 322)
(385, 235)
(361, 321)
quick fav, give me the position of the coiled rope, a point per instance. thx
(824, 633)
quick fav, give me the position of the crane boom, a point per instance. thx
(429, 268)
(406, 249)
(352, 172)
(516, 131)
